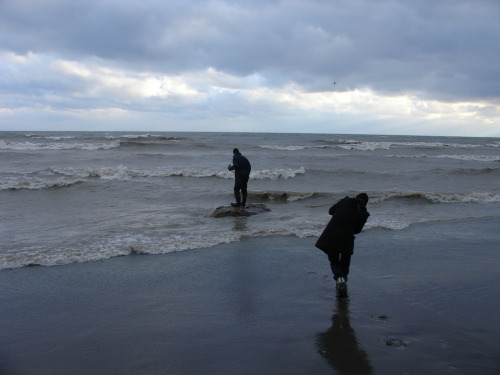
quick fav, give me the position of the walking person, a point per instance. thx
(349, 216)
(242, 168)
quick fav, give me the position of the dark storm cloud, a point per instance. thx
(443, 50)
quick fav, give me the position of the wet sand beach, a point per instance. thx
(423, 300)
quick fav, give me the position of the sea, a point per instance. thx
(72, 197)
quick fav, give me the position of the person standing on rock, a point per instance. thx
(349, 216)
(242, 168)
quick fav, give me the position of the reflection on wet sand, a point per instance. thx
(240, 224)
(339, 347)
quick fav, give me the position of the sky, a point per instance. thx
(416, 67)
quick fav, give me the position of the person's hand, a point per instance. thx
(229, 167)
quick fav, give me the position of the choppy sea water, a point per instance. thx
(83, 196)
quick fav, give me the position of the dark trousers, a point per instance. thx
(339, 263)
(240, 183)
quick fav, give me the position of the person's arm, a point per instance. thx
(332, 209)
(362, 217)
(235, 164)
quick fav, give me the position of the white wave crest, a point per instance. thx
(434, 144)
(118, 246)
(142, 137)
(37, 184)
(123, 245)
(277, 174)
(131, 136)
(52, 137)
(464, 198)
(388, 223)
(123, 172)
(408, 156)
(384, 145)
(29, 146)
(442, 197)
(486, 158)
(364, 146)
(471, 157)
(109, 173)
(283, 147)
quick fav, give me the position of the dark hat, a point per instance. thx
(363, 197)
(236, 151)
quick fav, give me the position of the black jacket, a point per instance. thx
(241, 166)
(349, 216)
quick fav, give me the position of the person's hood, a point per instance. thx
(363, 198)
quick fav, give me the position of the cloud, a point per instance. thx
(403, 62)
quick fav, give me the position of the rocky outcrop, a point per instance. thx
(249, 210)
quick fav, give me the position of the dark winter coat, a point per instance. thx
(349, 216)
(241, 166)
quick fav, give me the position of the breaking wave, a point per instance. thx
(276, 174)
(125, 245)
(487, 158)
(290, 196)
(123, 172)
(52, 137)
(145, 137)
(30, 146)
(37, 184)
(442, 197)
(470, 157)
(283, 148)
(74, 176)
(119, 246)
(384, 145)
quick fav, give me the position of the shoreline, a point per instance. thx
(421, 300)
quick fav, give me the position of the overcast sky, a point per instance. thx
(424, 67)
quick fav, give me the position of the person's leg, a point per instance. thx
(345, 262)
(334, 258)
(237, 187)
(339, 275)
(244, 192)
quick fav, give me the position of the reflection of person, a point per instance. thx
(339, 347)
(349, 215)
(242, 168)
(240, 224)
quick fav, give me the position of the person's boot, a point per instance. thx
(244, 202)
(341, 287)
(238, 200)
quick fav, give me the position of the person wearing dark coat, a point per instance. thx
(242, 168)
(349, 216)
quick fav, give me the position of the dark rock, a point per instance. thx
(249, 210)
